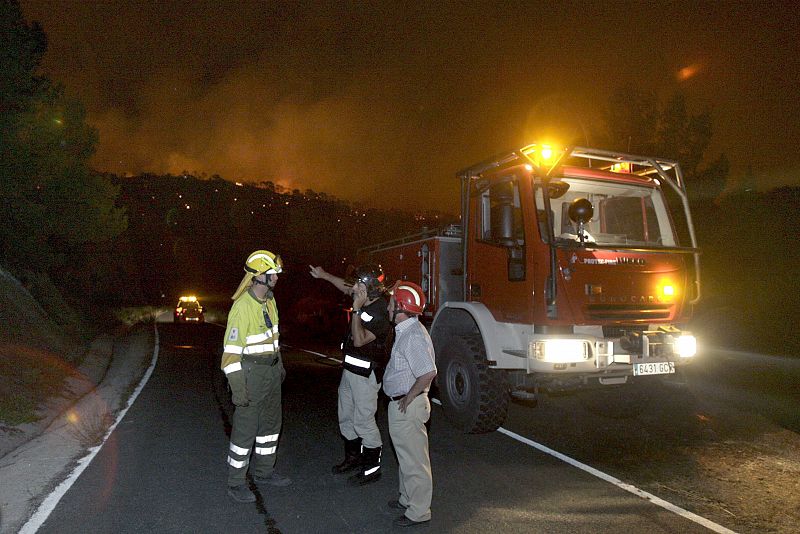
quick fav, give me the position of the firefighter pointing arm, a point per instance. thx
(339, 283)
(361, 336)
(364, 355)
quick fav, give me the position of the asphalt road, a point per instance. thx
(163, 469)
(766, 385)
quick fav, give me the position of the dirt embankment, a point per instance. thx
(36, 358)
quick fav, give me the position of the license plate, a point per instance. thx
(656, 368)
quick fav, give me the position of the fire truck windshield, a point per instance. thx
(624, 214)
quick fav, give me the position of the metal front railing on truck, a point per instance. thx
(651, 165)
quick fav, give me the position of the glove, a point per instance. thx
(238, 388)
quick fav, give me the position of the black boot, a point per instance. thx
(352, 457)
(370, 468)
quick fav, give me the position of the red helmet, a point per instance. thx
(409, 297)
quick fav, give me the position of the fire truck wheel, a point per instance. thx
(474, 397)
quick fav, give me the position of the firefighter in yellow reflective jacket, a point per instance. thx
(252, 364)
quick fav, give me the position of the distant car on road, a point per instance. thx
(188, 309)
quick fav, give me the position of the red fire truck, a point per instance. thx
(565, 273)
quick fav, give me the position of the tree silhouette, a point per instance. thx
(54, 209)
(637, 122)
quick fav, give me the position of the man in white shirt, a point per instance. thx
(408, 377)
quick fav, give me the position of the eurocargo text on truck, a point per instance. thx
(565, 273)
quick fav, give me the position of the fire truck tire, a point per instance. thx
(474, 396)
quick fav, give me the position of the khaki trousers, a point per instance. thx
(358, 402)
(410, 439)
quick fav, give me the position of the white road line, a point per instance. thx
(599, 474)
(51, 501)
(627, 487)
(318, 354)
(620, 484)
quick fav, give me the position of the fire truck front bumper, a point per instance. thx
(656, 353)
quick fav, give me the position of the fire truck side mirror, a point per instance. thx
(502, 214)
(557, 188)
(516, 264)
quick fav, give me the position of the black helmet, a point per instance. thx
(372, 276)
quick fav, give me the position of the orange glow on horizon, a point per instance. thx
(689, 71)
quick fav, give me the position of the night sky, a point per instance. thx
(385, 101)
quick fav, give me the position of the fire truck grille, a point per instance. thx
(628, 312)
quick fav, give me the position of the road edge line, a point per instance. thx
(615, 481)
(317, 354)
(51, 501)
(658, 501)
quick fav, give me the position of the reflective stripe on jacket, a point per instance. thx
(363, 360)
(248, 333)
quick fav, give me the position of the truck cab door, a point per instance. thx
(497, 268)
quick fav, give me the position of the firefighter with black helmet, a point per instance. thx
(365, 352)
(252, 364)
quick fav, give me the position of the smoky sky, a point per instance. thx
(383, 102)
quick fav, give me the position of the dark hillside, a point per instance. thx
(749, 262)
(187, 234)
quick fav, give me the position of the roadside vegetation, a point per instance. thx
(28, 379)
(36, 354)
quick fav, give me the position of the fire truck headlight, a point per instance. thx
(560, 350)
(686, 346)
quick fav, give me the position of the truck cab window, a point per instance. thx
(500, 215)
(624, 213)
(633, 217)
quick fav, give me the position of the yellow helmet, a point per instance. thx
(259, 262)
(263, 261)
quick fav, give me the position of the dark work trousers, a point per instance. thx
(256, 427)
